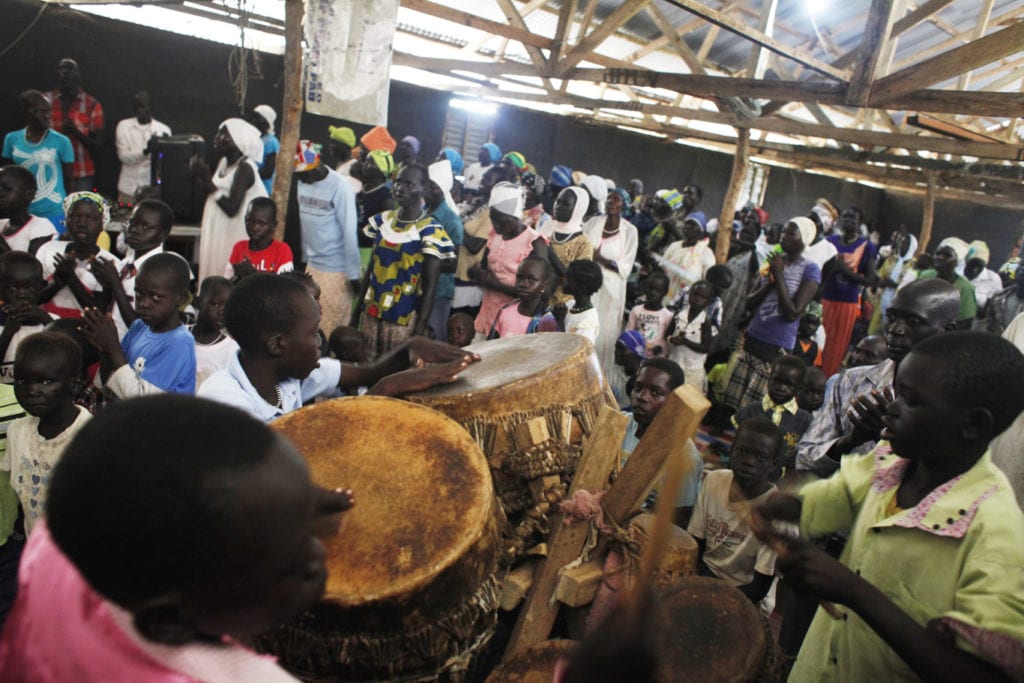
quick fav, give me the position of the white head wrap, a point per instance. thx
(825, 216)
(959, 247)
(267, 112)
(978, 249)
(506, 198)
(808, 230)
(441, 173)
(598, 189)
(575, 222)
(246, 137)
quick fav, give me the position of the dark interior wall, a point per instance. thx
(192, 93)
(998, 227)
(792, 193)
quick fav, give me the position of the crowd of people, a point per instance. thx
(828, 344)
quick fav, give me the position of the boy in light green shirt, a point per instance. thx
(930, 580)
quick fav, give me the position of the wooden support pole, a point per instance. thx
(928, 216)
(291, 109)
(739, 172)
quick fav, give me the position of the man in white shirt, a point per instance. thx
(135, 140)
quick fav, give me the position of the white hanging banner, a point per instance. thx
(348, 57)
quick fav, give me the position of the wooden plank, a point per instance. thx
(732, 195)
(948, 64)
(970, 103)
(927, 216)
(756, 61)
(909, 21)
(674, 39)
(536, 56)
(879, 19)
(671, 430)
(479, 23)
(600, 456)
(709, 41)
(565, 14)
(611, 23)
(750, 33)
(979, 30)
(291, 106)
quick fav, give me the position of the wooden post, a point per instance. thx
(291, 109)
(739, 172)
(929, 215)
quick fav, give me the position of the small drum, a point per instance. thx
(412, 591)
(709, 631)
(535, 665)
(529, 403)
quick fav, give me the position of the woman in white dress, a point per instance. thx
(234, 184)
(615, 242)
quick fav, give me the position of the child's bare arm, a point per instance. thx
(99, 329)
(931, 657)
(64, 266)
(425, 304)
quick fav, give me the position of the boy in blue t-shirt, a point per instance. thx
(158, 352)
(45, 152)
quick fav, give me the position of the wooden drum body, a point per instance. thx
(528, 403)
(412, 590)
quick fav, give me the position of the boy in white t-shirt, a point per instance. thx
(720, 523)
(21, 231)
(652, 318)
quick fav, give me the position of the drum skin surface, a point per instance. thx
(519, 373)
(422, 535)
(709, 631)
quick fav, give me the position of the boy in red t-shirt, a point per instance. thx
(261, 252)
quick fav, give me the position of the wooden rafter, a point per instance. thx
(750, 33)
(909, 21)
(675, 40)
(952, 63)
(879, 20)
(440, 11)
(979, 30)
(565, 14)
(536, 56)
(756, 62)
(611, 23)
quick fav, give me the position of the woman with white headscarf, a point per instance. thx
(615, 242)
(565, 232)
(509, 244)
(890, 273)
(234, 184)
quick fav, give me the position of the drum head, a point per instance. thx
(504, 362)
(709, 631)
(422, 489)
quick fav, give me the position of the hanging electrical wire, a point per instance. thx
(240, 70)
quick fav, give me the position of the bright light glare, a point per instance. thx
(816, 7)
(475, 106)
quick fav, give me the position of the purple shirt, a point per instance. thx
(770, 324)
(856, 256)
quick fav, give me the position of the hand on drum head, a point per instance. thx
(814, 572)
(327, 508)
(423, 351)
(420, 378)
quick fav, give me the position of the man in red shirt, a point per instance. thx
(78, 115)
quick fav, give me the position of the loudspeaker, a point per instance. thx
(171, 174)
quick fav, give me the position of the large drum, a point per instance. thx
(412, 591)
(528, 403)
(709, 631)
